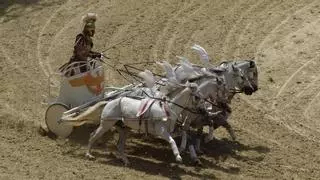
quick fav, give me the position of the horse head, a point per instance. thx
(241, 76)
(213, 89)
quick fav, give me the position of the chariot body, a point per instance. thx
(81, 85)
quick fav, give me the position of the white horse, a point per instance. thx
(125, 109)
(240, 77)
(209, 89)
(217, 84)
(172, 86)
(161, 118)
(237, 77)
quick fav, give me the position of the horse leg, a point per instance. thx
(198, 140)
(184, 137)
(121, 145)
(193, 155)
(183, 141)
(210, 135)
(93, 137)
(103, 127)
(164, 134)
(230, 130)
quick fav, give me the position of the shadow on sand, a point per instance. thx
(225, 148)
(9, 12)
(154, 156)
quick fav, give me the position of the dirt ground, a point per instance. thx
(277, 127)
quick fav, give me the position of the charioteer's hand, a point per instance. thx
(98, 55)
(95, 55)
(102, 56)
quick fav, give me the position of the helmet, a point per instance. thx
(89, 23)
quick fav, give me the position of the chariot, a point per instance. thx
(81, 86)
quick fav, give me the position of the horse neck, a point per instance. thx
(173, 93)
(228, 89)
(213, 85)
(230, 96)
(181, 100)
(182, 76)
(227, 75)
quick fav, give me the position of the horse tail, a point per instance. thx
(92, 114)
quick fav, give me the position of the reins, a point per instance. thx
(168, 101)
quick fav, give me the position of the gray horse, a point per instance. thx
(234, 77)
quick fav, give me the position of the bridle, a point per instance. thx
(165, 100)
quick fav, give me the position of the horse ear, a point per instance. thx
(252, 64)
(192, 86)
(219, 82)
(234, 68)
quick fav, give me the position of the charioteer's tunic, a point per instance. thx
(82, 49)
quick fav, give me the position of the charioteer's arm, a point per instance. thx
(94, 54)
(80, 48)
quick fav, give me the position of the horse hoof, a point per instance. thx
(199, 152)
(90, 156)
(126, 162)
(197, 162)
(207, 140)
(179, 159)
(181, 150)
(43, 131)
(117, 155)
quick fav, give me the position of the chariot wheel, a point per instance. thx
(53, 115)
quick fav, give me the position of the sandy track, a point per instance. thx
(278, 126)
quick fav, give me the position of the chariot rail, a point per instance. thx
(107, 96)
